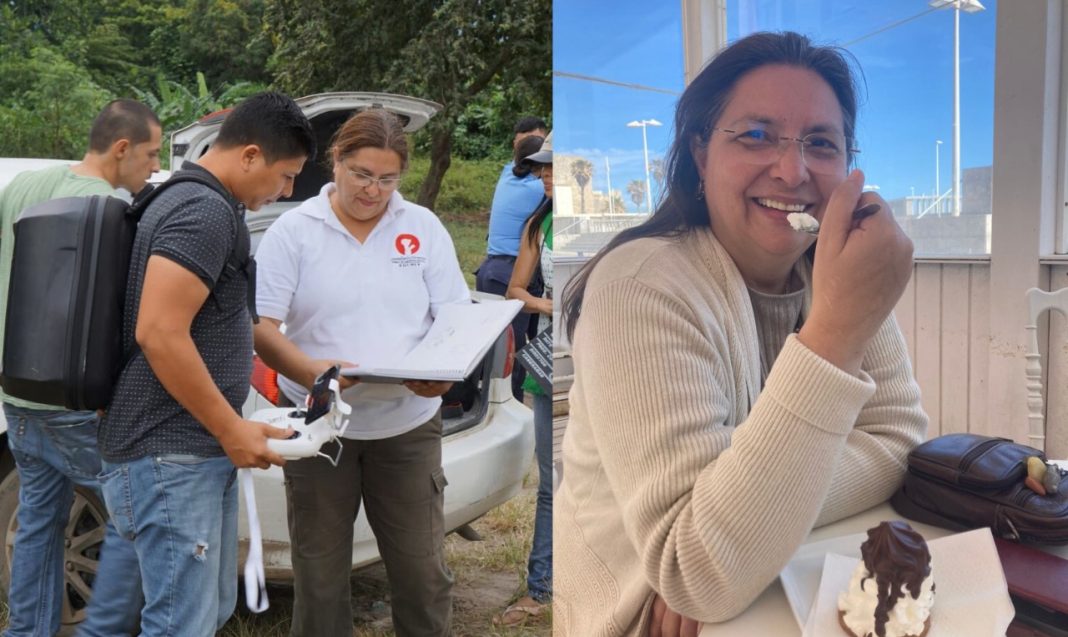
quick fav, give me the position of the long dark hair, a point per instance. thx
(534, 221)
(682, 208)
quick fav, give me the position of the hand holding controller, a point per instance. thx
(326, 418)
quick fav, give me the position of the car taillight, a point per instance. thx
(265, 380)
(509, 359)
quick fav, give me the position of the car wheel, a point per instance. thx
(82, 540)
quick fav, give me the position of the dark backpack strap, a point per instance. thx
(148, 194)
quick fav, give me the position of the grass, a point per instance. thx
(469, 238)
(489, 575)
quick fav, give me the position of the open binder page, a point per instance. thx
(459, 338)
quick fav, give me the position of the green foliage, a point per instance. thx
(177, 105)
(484, 129)
(223, 39)
(466, 191)
(474, 57)
(48, 105)
(124, 43)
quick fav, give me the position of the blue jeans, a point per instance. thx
(180, 514)
(540, 564)
(55, 450)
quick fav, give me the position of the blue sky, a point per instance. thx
(906, 91)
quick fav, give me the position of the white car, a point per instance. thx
(488, 439)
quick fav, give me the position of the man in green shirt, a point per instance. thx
(55, 449)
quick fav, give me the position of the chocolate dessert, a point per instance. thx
(892, 588)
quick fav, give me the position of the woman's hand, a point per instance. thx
(861, 269)
(545, 306)
(428, 388)
(667, 623)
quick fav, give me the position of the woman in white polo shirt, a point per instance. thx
(357, 274)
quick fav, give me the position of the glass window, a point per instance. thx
(906, 124)
(617, 72)
(621, 62)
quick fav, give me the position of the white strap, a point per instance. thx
(255, 581)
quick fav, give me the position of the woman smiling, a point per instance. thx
(734, 383)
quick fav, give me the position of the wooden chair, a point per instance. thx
(1039, 301)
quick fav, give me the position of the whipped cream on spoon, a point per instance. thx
(804, 222)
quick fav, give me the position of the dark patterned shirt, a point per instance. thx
(203, 231)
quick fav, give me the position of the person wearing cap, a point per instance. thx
(517, 194)
(536, 249)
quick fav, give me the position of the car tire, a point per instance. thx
(83, 538)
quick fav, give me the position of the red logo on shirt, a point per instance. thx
(407, 244)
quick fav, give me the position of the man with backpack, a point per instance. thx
(174, 434)
(55, 449)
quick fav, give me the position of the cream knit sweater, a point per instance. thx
(680, 476)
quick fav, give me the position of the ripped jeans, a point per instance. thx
(180, 512)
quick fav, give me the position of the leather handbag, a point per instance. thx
(968, 481)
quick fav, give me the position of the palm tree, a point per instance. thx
(636, 190)
(656, 167)
(582, 171)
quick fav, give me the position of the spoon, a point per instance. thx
(813, 227)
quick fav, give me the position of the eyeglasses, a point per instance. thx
(538, 169)
(824, 152)
(364, 180)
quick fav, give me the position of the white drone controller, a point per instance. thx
(324, 418)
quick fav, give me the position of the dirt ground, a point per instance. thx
(489, 575)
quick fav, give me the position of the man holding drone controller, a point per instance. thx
(174, 433)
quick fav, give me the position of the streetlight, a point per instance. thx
(938, 187)
(608, 175)
(645, 151)
(969, 6)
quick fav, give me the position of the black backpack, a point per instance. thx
(63, 327)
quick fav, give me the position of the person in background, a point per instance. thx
(536, 249)
(56, 449)
(173, 436)
(736, 381)
(516, 195)
(398, 266)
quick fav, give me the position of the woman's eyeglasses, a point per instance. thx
(538, 169)
(824, 152)
(364, 180)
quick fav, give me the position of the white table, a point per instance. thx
(770, 614)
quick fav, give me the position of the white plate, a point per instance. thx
(801, 576)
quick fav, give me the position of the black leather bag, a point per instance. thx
(968, 481)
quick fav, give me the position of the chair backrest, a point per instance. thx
(1039, 301)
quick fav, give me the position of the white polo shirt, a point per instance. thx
(367, 304)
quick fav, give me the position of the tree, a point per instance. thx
(636, 190)
(454, 52)
(48, 105)
(176, 105)
(582, 171)
(656, 167)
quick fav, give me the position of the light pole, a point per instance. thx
(938, 186)
(970, 6)
(645, 152)
(608, 175)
